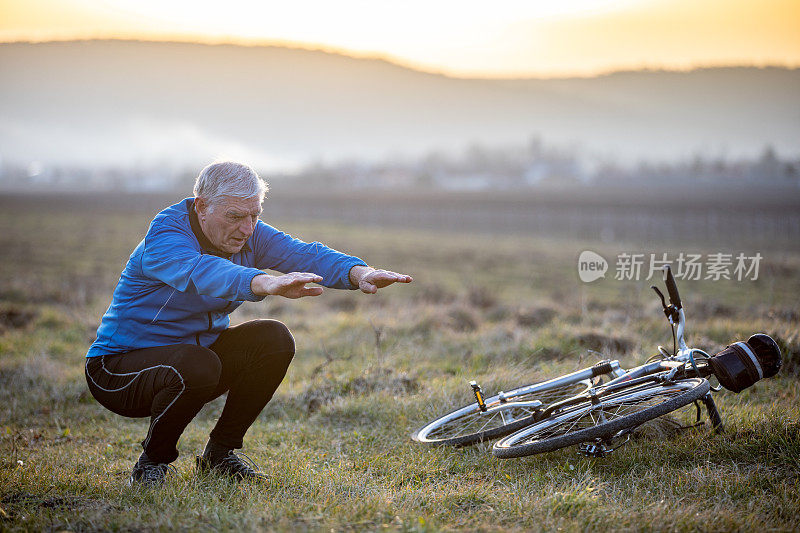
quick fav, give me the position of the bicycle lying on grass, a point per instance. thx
(580, 408)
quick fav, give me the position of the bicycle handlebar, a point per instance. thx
(672, 288)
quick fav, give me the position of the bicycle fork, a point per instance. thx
(713, 413)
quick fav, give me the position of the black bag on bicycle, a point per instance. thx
(741, 364)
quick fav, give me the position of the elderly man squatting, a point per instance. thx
(165, 347)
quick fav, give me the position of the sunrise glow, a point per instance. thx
(504, 38)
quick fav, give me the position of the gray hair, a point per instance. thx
(228, 178)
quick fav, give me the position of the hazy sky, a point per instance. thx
(459, 37)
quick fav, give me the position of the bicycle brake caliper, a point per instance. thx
(476, 389)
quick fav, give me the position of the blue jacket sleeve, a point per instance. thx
(171, 255)
(280, 251)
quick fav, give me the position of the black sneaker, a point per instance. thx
(231, 465)
(147, 473)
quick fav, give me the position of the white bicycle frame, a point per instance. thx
(682, 356)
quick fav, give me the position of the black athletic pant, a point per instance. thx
(170, 384)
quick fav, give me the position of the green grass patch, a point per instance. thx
(335, 440)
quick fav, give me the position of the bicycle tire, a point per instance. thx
(536, 439)
(427, 433)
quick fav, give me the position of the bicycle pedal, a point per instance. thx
(594, 449)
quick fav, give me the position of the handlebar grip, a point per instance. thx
(674, 297)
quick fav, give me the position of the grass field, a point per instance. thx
(335, 440)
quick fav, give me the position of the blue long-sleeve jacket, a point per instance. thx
(178, 289)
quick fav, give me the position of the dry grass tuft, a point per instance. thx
(481, 298)
(462, 318)
(372, 380)
(605, 343)
(13, 317)
(535, 317)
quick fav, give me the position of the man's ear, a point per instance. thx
(201, 206)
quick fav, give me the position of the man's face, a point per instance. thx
(231, 221)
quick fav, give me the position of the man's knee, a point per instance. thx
(273, 336)
(197, 366)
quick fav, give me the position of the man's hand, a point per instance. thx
(369, 279)
(291, 285)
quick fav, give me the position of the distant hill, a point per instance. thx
(131, 101)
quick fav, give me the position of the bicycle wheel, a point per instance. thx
(586, 421)
(469, 425)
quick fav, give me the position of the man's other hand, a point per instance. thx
(292, 285)
(369, 279)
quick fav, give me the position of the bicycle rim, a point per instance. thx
(586, 421)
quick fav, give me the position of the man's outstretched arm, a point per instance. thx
(293, 285)
(279, 251)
